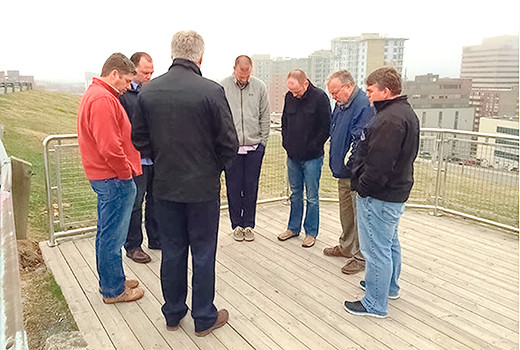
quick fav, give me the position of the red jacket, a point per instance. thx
(104, 135)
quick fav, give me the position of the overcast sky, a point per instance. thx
(61, 40)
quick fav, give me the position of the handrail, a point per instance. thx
(12, 333)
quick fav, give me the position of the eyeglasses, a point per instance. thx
(335, 92)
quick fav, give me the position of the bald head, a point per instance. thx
(242, 68)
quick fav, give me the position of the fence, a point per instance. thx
(464, 173)
(12, 334)
(7, 87)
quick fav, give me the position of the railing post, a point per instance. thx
(438, 182)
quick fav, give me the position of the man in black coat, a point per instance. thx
(143, 73)
(305, 128)
(185, 126)
(382, 176)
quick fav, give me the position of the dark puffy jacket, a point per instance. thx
(305, 124)
(387, 149)
(185, 125)
(348, 121)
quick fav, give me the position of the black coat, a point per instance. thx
(383, 168)
(305, 124)
(185, 125)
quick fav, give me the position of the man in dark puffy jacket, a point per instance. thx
(351, 114)
(382, 176)
(185, 126)
(305, 128)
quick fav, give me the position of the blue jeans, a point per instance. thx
(184, 226)
(144, 185)
(242, 187)
(304, 173)
(377, 228)
(115, 199)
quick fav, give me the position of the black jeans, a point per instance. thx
(242, 187)
(193, 226)
(135, 231)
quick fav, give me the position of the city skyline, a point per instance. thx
(64, 44)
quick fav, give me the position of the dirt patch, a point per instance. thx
(45, 310)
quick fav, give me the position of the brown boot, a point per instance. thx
(139, 256)
(130, 294)
(335, 251)
(353, 266)
(222, 318)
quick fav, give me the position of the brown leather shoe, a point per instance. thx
(286, 235)
(222, 318)
(139, 256)
(353, 266)
(130, 294)
(308, 241)
(131, 284)
(335, 251)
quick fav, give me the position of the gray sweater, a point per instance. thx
(250, 109)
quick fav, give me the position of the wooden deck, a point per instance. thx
(459, 290)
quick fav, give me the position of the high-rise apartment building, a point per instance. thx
(493, 67)
(361, 55)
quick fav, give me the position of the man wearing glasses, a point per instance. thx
(351, 114)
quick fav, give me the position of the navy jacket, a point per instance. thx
(185, 121)
(383, 167)
(348, 121)
(305, 124)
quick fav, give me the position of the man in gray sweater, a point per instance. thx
(247, 97)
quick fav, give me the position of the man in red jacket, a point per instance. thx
(110, 162)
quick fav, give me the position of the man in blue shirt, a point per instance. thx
(351, 114)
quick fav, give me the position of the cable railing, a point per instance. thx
(470, 174)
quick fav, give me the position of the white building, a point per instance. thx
(498, 153)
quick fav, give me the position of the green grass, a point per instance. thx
(28, 117)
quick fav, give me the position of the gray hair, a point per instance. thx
(344, 76)
(187, 44)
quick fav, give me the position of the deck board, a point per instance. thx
(459, 290)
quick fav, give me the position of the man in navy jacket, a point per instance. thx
(351, 115)
(305, 128)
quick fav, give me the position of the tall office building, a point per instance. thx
(361, 55)
(493, 67)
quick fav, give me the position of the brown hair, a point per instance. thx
(119, 62)
(386, 77)
(136, 57)
(299, 75)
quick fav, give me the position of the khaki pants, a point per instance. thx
(348, 240)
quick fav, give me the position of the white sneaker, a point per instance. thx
(238, 234)
(249, 234)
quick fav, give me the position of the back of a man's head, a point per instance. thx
(386, 77)
(187, 44)
(119, 62)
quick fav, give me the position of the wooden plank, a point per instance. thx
(84, 315)
(114, 323)
(315, 261)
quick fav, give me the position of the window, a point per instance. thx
(508, 131)
(456, 120)
(423, 121)
(439, 122)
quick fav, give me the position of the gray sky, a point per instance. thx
(58, 39)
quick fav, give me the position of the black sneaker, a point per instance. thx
(393, 297)
(356, 308)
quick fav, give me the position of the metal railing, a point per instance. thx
(465, 173)
(12, 333)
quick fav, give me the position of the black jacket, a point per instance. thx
(185, 125)
(383, 166)
(305, 124)
(129, 102)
